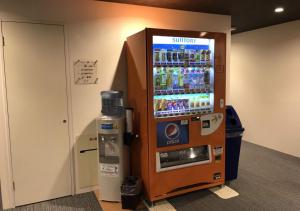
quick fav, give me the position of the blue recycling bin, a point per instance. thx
(234, 133)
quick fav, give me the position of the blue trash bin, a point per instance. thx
(234, 133)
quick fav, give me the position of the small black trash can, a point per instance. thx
(130, 192)
(234, 133)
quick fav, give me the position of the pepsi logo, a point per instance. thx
(172, 131)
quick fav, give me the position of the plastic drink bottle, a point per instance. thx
(163, 78)
(156, 78)
(180, 77)
(175, 78)
(169, 78)
(186, 79)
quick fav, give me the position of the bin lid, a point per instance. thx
(233, 122)
(111, 94)
(131, 186)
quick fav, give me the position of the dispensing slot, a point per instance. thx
(182, 158)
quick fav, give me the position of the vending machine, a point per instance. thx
(176, 87)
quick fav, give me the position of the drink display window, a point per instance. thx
(183, 75)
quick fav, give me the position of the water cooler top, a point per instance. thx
(112, 103)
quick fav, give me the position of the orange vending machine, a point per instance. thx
(176, 86)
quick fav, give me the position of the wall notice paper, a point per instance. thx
(224, 192)
(85, 72)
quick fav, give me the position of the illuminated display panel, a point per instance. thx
(183, 75)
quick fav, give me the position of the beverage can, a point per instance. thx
(169, 105)
(198, 99)
(186, 104)
(157, 104)
(174, 105)
(192, 103)
(163, 55)
(192, 55)
(180, 104)
(207, 101)
(181, 55)
(169, 56)
(163, 105)
(202, 102)
(175, 55)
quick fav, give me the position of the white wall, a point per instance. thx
(97, 30)
(265, 85)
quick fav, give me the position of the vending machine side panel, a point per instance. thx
(220, 73)
(137, 99)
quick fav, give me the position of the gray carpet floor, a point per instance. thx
(268, 180)
(80, 202)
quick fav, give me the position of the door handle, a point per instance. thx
(64, 121)
(87, 150)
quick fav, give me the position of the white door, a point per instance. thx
(37, 107)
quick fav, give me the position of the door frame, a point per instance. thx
(6, 171)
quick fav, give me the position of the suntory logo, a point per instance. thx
(183, 40)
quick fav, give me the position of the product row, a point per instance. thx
(201, 65)
(178, 80)
(181, 56)
(182, 112)
(192, 104)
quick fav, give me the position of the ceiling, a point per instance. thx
(245, 14)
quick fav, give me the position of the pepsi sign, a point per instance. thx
(172, 133)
